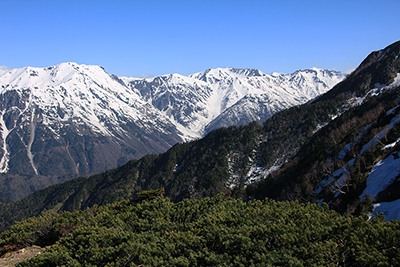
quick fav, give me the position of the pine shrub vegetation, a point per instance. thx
(214, 231)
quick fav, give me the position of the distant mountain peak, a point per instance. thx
(229, 72)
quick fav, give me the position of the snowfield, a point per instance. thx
(391, 210)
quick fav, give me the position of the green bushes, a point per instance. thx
(210, 232)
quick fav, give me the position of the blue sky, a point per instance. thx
(133, 38)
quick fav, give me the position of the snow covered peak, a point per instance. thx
(78, 107)
(50, 76)
(215, 75)
(77, 91)
(247, 72)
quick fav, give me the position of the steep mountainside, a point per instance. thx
(73, 120)
(350, 154)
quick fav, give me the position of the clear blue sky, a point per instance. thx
(132, 38)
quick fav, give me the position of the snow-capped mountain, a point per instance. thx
(72, 119)
(272, 93)
(75, 119)
(220, 97)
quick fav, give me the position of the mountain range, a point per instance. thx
(73, 120)
(341, 149)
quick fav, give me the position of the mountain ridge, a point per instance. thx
(74, 120)
(224, 87)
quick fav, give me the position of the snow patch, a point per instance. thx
(31, 139)
(234, 178)
(379, 136)
(391, 145)
(341, 175)
(6, 154)
(346, 149)
(255, 173)
(382, 175)
(391, 210)
(395, 83)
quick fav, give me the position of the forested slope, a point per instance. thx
(187, 170)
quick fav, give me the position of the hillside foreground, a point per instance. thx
(213, 231)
